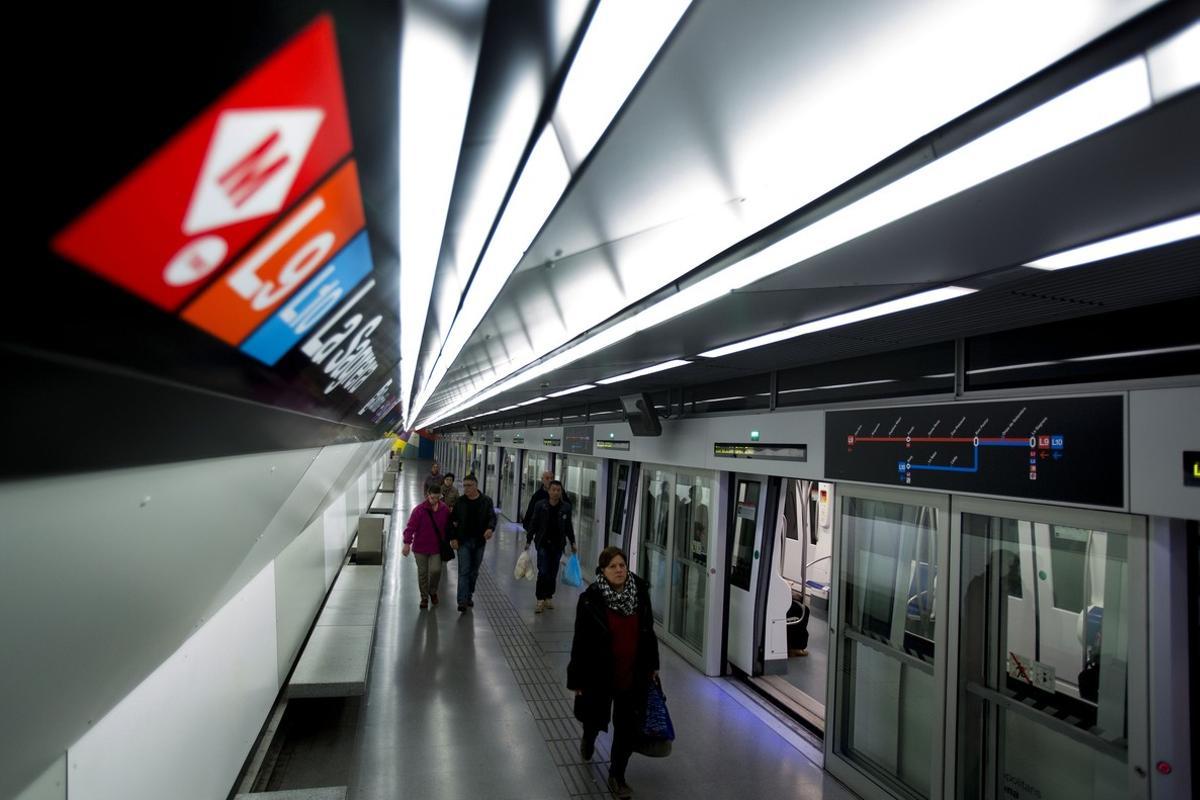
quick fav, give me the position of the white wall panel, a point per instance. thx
(337, 539)
(104, 575)
(1162, 424)
(185, 731)
(299, 589)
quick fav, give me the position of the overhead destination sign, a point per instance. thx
(191, 207)
(249, 224)
(1068, 450)
(761, 450)
(612, 444)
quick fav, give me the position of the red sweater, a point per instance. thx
(624, 632)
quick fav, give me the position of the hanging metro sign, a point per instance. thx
(194, 205)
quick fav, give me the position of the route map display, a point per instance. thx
(1067, 450)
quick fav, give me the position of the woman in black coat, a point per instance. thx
(614, 658)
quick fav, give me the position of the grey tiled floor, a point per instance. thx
(474, 706)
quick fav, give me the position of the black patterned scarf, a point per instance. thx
(623, 601)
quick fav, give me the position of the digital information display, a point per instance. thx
(769, 452)
(1191, 468)
(518, 438)
(1069, 450)
(578, 439)
(551, 441)
(612, 444)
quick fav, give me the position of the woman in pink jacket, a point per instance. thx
(428, 525)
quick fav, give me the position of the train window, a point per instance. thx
(746, 512)
(1068, 560)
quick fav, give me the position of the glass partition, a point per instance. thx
(675, 537)
(886, 702)
(1044, 679)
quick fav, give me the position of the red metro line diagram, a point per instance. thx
(1069, 450)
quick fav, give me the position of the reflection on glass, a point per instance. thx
(580, 485)
(1043, 661)
(531, 476)
(746, 516)
(615, 514)
(689, 554)
(887, 695)
(655, 525)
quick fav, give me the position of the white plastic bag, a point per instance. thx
(525, 567)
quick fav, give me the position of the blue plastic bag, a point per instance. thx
(658, 720)
(571, 574)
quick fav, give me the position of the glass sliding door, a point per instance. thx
(656, 520)
(508, 469)
(1049, 619)
(618, 490)
(689, 558)
(887, 717)
(580, 477)
(531, 479)
(674, 537)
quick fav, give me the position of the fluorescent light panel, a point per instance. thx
(1154, 236)
(1097, 104)
(621, 40)
(849, 318)
(637, 373)
(572, 390)
(437, 75)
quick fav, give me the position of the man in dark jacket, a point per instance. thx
(549, 530)
(614, 659)
(473, 523)
(543, 493)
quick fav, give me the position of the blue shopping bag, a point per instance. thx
(571, 575)
(657, 725)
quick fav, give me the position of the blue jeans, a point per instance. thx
(469, 556)
(547, 578)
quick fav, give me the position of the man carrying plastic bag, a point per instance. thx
(550, 529)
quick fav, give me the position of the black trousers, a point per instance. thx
(625, 731)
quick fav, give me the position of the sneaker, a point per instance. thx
(549, 602)
(424, 603)
(462, 609)
(541, 606)
(433, 598)
(619, 787)
(470, 604)
(587, 747)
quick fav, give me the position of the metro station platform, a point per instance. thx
(473, 706)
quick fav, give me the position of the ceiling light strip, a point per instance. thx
(1098, 103)
(637, 373)
(437, 75)
(1154, 236)
(621, 41)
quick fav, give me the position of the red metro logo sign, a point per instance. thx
(196, 203)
